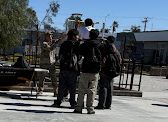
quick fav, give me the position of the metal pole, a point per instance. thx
(123, 56)
(139, 86)
(132, 74)
(37, 40)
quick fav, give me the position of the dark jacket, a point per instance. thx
(69, 49)
(21, 63)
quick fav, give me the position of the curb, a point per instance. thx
(48, 89)
(127, 93)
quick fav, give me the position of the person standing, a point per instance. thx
(84, 30)
(90, 68)
(106, 79)
(69, 69)
(47, 61)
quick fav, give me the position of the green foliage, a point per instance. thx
(54, 7)
(135, 28)
(15, 16)
(51, 12)
(114, 26)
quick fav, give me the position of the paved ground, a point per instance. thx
(18, 106)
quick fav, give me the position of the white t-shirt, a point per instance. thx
(84, 32)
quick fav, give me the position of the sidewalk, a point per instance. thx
(18, 106)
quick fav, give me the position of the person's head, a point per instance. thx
(88, 22)
(48, 36)
(94, 34)
(110, 39)
(73, 34)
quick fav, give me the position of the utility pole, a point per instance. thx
(104, 24)
(145, 22)
(103, 30)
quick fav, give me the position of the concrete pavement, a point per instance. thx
(18, 106)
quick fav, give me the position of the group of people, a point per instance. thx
(81, 55)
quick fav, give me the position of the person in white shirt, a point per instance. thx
(84, 30)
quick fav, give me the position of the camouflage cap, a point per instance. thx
(48, 32)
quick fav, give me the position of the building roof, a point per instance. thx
(152, 36)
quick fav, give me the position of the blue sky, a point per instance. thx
(125, 12)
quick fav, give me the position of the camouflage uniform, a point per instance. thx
(47, 61)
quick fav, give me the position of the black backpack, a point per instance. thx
(111, 63)
(95, 61)
(92, 58)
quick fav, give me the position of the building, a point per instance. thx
(152, 46)
(74, 21)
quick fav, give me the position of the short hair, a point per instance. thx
(94, 33)
(88, 22)
(71, 33)
(111, 39)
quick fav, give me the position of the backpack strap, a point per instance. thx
(93, 52)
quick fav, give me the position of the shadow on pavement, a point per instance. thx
(13, 96)
(23, 96)
(24, 104)
(162, 105)
(38, 111)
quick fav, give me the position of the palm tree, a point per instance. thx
(114, 26)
